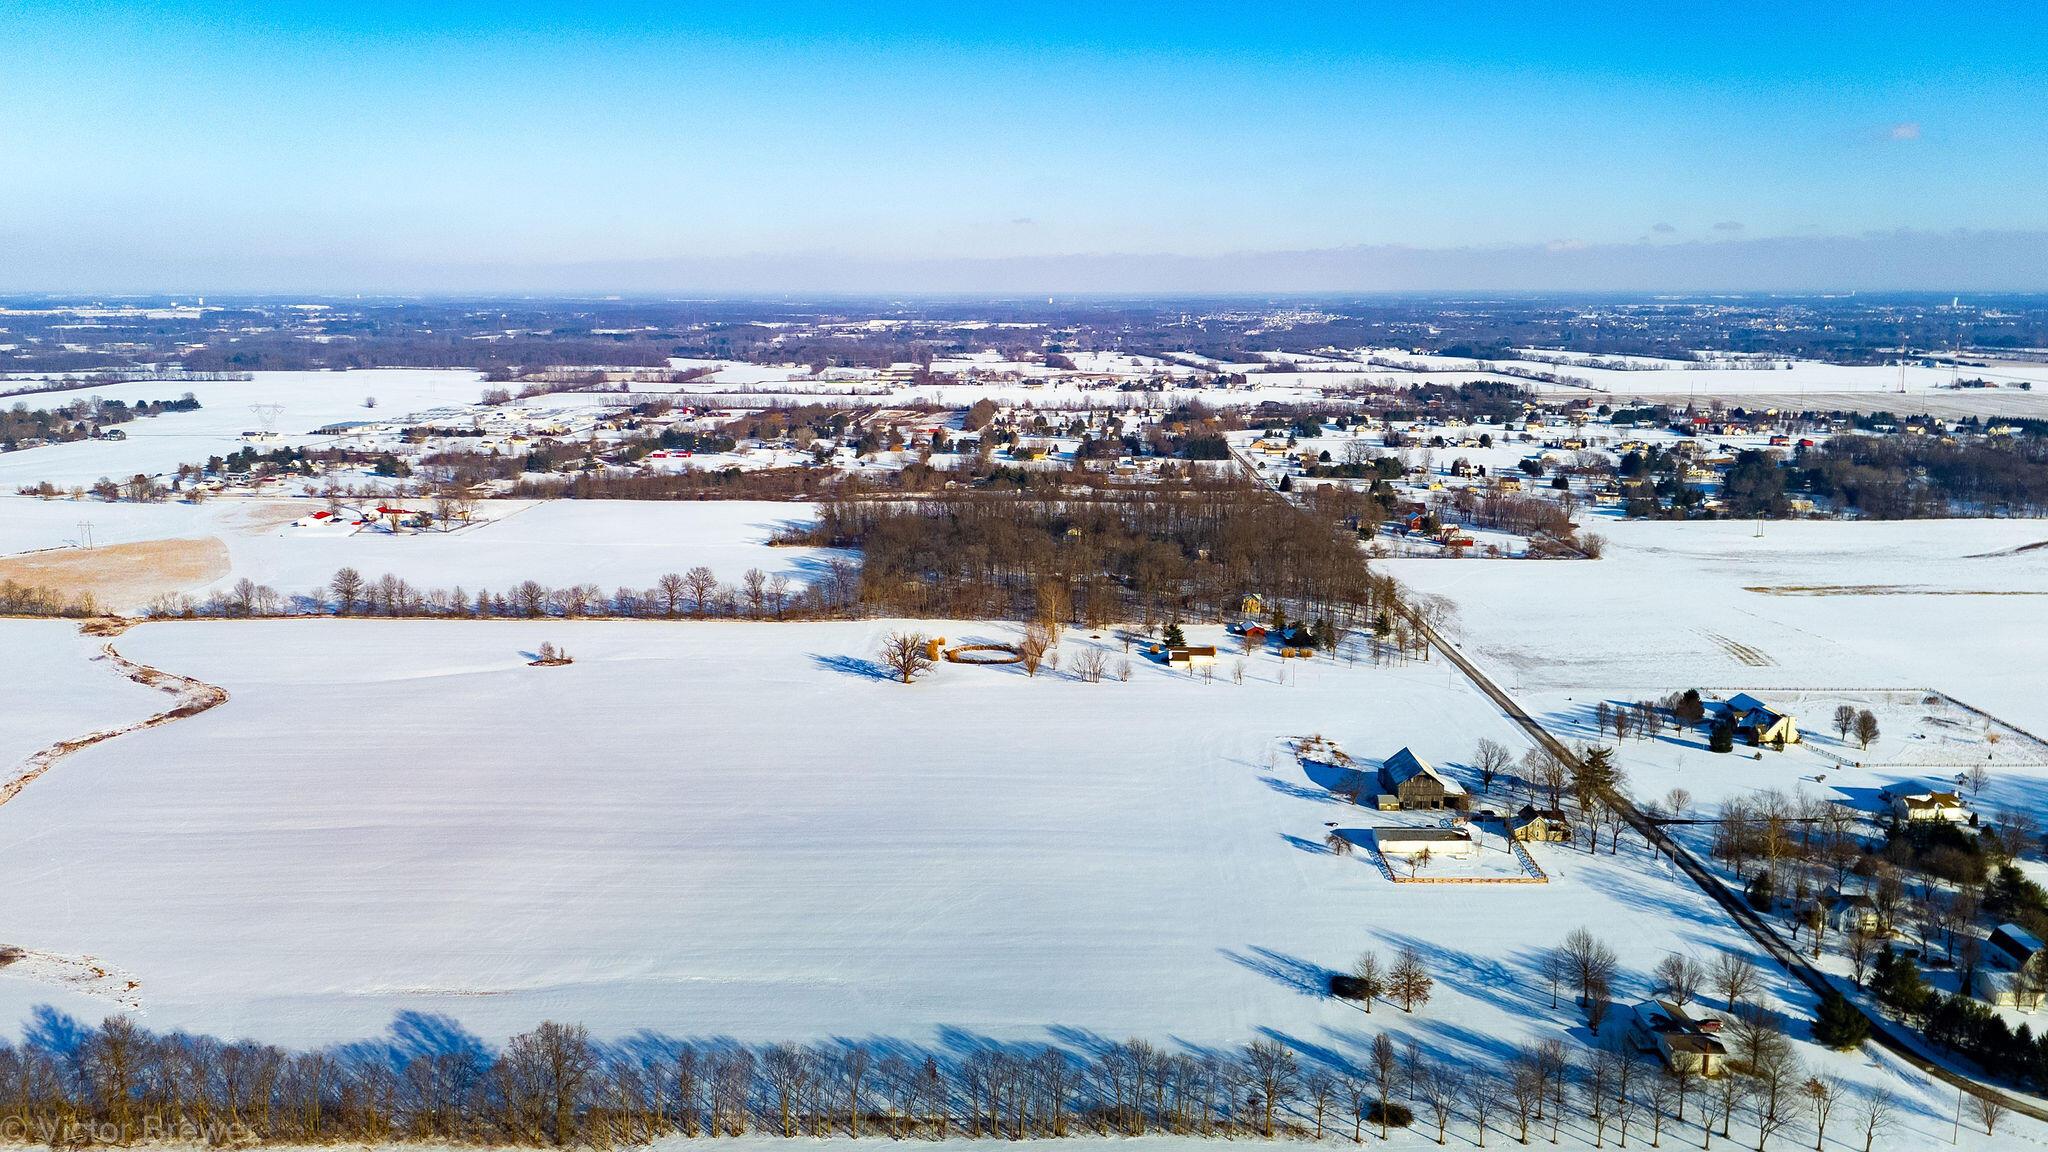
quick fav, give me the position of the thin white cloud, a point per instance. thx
(1907, 130)
(1728, 226)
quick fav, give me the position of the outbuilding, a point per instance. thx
(1418, 784)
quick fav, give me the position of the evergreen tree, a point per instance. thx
(1838, 1024)
(1899, 986)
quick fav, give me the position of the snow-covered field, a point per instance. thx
(1814, 613)
(740, 830)
(158, 444)
(608, 543)
(53, 686)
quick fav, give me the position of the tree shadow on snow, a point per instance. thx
(859, 666)
(1305, 977)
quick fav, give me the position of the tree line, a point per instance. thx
(429, 1082)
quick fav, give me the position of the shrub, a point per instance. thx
(1396, 1115)
(1721, 739)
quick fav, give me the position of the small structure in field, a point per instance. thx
(1540, 825)
(1683, 1043)
(1915, 802)
(1760, 723)
(1192, 656)
(1438, 842)
(1419, 785)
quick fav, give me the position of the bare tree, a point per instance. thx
(1989, 1109)
(1439, 1087)
(1590, 963)
(906, 654)
(700, 581)
(1866, 728)
(1822, 1093)
(1386, 1073)
(1371, 979)
(1031, 650)
(1861, 946)
(1273, 1070)
(1845, 720)
(1677, 978)
(1483, 1097)
(348, 589)
(1491, 758)
(1734, 978)
(755, 584)
(670, 589)
(1408, 982)
(1319, 1089)
(1876, 1115)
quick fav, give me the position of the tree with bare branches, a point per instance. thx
(906, 654)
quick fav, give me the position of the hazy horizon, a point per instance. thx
(2001, 262)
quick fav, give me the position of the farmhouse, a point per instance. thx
(1394, 841)
(1683, 1043)
(1913, 801)
(1848, 913)
(1415, 784)
(1540, 825)
(2015, 970)
(1760, 723)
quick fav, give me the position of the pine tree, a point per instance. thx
(1838, 1024)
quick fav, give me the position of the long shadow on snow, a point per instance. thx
(851, 666)
(1303, 976)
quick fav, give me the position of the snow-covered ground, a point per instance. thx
(53, 686)
(739, 827)
(1952, 605)
(158, 444)
(1810, 615)
(741, 830)
(608, 543)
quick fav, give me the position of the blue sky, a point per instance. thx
(217, 142)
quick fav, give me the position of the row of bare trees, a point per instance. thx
(695, 594)
(555, 1086)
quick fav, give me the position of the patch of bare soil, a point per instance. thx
(122, 575)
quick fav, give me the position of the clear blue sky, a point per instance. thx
(136, 138)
